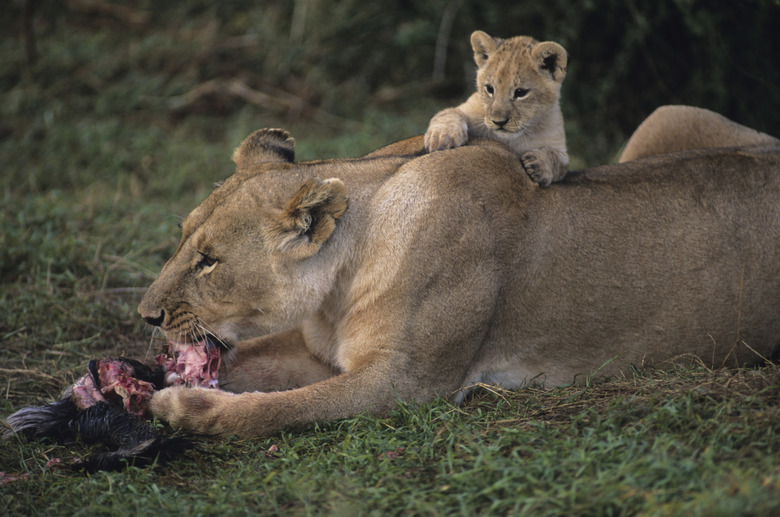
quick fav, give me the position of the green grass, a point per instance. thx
(690, 442)
(97, 171)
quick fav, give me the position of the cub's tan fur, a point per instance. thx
(391, 277)
(516, 102)
(677, 128)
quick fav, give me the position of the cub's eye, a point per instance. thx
(521, 92)
(489, 89)
(206, 264)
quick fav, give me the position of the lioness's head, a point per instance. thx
(518, 79)
(243, 264)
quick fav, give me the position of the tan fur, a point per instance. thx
(516, 102)
(678, 128)
(407, 277)
(411, 147)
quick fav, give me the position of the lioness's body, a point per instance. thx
(516, 103)
(677, 128)
(415, 277)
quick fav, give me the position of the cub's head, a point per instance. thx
(518, 79)
(250, 259)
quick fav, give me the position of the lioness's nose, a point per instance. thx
(155, 321)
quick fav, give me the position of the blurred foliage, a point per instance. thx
(323, 61)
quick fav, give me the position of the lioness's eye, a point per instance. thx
(206, 262)
(521, 92)
(489, 89)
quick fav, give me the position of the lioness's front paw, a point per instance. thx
(537, 167)
(191, 409)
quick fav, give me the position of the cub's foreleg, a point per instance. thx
(545, 165)
(447, 129)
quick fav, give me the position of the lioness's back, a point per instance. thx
(682, 247)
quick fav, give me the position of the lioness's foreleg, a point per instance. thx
(370, 388)
(276, 362)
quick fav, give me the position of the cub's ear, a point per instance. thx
(551, 58)
(265, 145)
(309, 217)
(483, 45)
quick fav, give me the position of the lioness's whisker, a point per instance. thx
(155, 336)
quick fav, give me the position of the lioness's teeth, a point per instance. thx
(191, 364)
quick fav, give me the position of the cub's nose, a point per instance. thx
(155, 321)
(501, 123)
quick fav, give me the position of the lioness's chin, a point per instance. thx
(231, 332)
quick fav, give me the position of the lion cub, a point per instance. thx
(516, 102)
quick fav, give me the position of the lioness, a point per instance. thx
(516, 102)
(406, 277)
(678, 128)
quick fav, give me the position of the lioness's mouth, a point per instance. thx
(132, 383)
(192, 364)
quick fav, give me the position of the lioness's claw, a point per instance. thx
(191, 409)
(162, 402)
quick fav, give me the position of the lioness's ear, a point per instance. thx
(309, 217)
(265, 145)
(483, 45)
(551, 58)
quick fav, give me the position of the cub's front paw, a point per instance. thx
(192, 409)
(538, 168)
(447, 129)
(444, 138)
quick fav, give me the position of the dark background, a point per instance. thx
(332, 61)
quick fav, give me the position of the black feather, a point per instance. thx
(49, 421)
(136, 441)
(130, 440)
